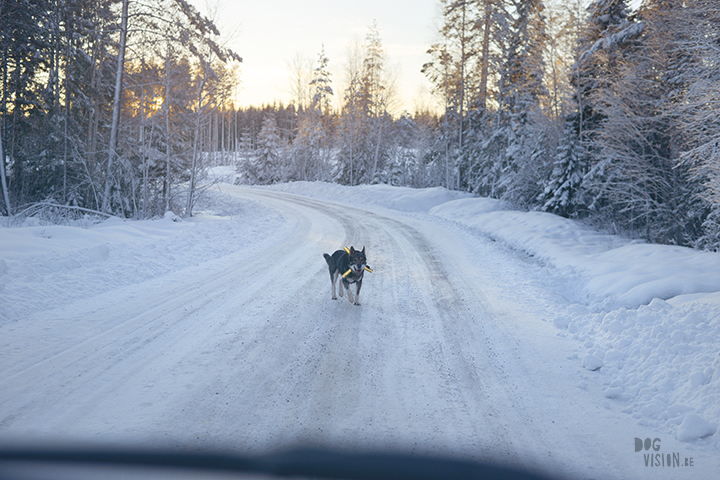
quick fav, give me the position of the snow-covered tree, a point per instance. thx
(322, 85)
(522, 121)
(365, 119)
(562, 193)
(375, 95)
(403, 158)
(79, 122)
(310, 150)
(598, 56)
(634, 180)
(699, 122)
(464, 70)
(265, 166)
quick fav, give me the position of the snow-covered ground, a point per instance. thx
(484, 332)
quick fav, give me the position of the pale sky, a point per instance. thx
(269, 34)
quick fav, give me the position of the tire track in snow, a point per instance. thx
(464, 371)
(456, 364)
(479, 374)
(159, 325)
(265, 358)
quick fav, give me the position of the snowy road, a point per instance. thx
(448, 353)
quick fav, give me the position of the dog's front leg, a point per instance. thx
(357, 292)
(349, 292)
(333, 279)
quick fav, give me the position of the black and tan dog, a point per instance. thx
(349, 265)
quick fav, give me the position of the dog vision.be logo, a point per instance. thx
(657, 459)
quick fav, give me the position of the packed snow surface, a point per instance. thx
(483, 332)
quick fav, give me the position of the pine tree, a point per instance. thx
(597, 60)
(322, 85)
(597, 57)
(562, 190)
(461, 69)
(24, 57)
(350, 169)
(365, 122)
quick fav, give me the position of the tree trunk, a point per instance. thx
(166, 108)
(3, 180)
(191, 185)
(463, 59)
(485, 57)
(193, 167)
(376, 155)
(116, 106)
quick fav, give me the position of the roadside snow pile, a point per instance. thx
(647, 317)
(403, 199)
(613, 272)
(45, 267)
(660, 361)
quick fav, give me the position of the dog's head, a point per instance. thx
(357, 261)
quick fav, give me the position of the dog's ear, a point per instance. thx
(352, 250)
(363, 250)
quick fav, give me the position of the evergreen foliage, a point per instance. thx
(563, 193)
(265, 166)
(604, 114)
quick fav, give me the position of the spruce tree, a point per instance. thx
(265, 166)
(562, 194)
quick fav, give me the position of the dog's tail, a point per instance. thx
(328, 258)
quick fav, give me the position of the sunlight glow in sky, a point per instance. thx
(269, 34)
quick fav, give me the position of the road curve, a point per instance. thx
(253, 354)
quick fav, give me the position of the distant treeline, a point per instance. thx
(590, 111)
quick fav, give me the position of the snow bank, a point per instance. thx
(614, 272)
(646, 317)
(660, 361)
(44, 267)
